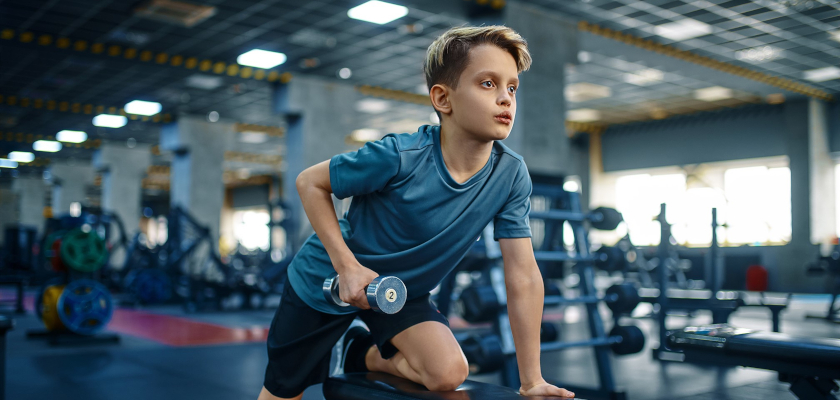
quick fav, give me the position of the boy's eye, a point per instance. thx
(512, 89)
(487, 84)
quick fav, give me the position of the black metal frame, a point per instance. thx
(569, 211)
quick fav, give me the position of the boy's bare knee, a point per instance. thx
(446, 376)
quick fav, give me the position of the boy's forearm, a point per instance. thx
(525, 306)
(318, 205)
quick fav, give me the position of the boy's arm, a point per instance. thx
(313, 185)
(525, 300)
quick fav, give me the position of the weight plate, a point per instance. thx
(83, 251)
(85, 307)
(49, 308)
(626, 298)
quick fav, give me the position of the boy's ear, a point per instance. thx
(440, 98)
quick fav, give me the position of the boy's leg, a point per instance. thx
(300, 342)
(266, 395)
(428, 354)
(417, 344)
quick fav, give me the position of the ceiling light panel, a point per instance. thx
(822, 74)
(140, 107)
(683, 29)
(47, 146)
(583, 115)
(377, 12)
(71, 136)
(713, 93)
(585, 91)
(261, 59)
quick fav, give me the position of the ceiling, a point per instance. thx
(319, 39)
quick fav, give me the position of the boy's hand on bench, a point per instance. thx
(544, 388)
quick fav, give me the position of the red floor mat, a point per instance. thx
(176, 331)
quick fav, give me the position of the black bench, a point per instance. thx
(381, 386)
(809, 364)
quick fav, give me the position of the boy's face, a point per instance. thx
(484, 104)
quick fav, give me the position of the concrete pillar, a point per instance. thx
(320, 113)
(31, 193)
(196, 183)
(539, 132)
(823, 205)
(70, 182)
(8, 209)
(122, 172)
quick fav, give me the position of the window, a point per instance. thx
(250, 228)
(753, 202)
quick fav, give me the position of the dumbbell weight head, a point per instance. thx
(622, 298)
(632, 339)
(385, 294)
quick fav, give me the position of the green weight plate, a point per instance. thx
(83, 251)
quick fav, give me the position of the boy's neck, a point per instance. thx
(463, 155)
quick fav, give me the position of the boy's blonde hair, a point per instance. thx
(448, 55)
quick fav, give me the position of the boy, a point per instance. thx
(419, 202)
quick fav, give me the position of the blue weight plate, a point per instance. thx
(85, 307)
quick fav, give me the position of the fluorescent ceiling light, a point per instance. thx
(761, 54)
(584, 91)
(22, 156)
(4, 163)
(110, 121)
(372, 106)
(48, 146)
(822, 74)
(253, 137)
(835, 36)
(683, 29)
(713, 93)
(644, 77)
(365, 135)
(71, 136)
(261, 59)
(583, 115)
(206, 82)
(378, 12)
(140, 107)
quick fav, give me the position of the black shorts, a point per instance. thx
(300, 339)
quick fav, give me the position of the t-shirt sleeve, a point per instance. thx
(366, 170)
(512, 220)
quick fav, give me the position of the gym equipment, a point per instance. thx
(48, 307)
(479, 303)
(19, 247)
(149, 285)
(562, 207)
(385, 294)
(19, 282)
(6, 325)
(85, 307)
(829, 265)
(382, 386)
(484, 352)
(809, 364)
(722, 304)
(83, 250)
(601, 218)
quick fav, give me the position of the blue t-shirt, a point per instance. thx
(409, 218)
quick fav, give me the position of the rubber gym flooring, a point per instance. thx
(167, 354)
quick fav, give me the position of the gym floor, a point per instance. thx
(166, 354)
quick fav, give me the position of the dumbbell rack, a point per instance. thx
(570, 212)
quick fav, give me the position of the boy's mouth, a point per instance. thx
(504, 118)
